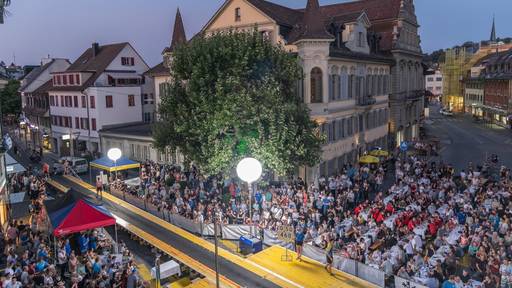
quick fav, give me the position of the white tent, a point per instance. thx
(12, 166)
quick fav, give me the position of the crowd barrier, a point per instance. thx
(234, 232)
(404, 283)
(349, 266)
(270, 239)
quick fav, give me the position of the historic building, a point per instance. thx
(434, 82)
(498, 89)
(35, 101)
(363, 78)
(102, 88)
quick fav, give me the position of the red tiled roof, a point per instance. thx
(281, 14)
(311, 27)
(158, 70)
(376, 9)
(95, 64)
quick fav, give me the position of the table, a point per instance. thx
(421, 230)
(167, 270)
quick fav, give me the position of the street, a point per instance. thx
(463, 140)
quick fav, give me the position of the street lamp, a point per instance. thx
(114, 154)
(249, 170)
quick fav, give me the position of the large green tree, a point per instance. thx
(234, 95)
(10, 99)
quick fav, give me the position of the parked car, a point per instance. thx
(79, 165)
(446, 112)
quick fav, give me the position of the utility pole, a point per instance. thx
(215, 232)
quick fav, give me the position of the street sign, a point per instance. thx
(404, 146)
(286, 233)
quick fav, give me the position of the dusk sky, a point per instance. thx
(64, 28)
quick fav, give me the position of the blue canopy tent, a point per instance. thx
(110, 166)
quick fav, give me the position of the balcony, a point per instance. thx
(366, 101)
(416, 95)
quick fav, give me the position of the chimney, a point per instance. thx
(95, 49)
(46, 60)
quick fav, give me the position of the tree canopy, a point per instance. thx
(10, 99)
(233, 95)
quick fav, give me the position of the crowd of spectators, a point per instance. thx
(426, 224)
(32, 258)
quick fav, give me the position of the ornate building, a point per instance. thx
(363, 79)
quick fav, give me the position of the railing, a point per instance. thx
(366, 101)
(415, 94)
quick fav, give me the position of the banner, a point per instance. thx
(371, 274)
(208, 230)
(404, 283)
(186, 223)
(234, 232)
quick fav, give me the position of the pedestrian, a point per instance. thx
(329, 257)
(99, 187)
(299, 241)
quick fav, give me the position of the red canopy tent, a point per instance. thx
(80, 216)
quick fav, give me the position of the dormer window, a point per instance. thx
(360, 39)
(238, 15)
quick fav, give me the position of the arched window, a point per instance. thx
(316, 85)
(344, 83)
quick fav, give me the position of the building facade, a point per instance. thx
(363, 78)
(434, 83)
(103, 87)
(35, 101)
(498, 89)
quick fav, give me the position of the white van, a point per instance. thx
(79, 165)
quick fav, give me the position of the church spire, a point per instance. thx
(178, 34)
(493, 31)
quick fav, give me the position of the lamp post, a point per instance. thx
(215, 232)
(249, 170)
(114, 154)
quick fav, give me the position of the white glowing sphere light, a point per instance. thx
(249, 170)
(114, 154)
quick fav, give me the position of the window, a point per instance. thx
(93, 102)
(84, 122)
(84, 101)
(316, 85)
(131, 100)
(75, 100)
(238, 15)
(439, 79)
(93, 124)
(71, 80)
(62, 101)
(77, 79)
(77, 123)
(58, 80)
(64, 79)
(108, 101)
(52, 101)
(360, 39)
(127, 61)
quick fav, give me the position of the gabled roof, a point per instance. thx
(178, 34)
(97, 64)
(281, 14)
(311, 27)
(30, 77)
(376, 9)
(158, 70)
(44, 88)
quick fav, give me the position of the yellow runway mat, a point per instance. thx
(308, 273)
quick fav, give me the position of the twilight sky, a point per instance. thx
(64, 28)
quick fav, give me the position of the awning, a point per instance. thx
(80, 216)
(12, 166)
(108, 165)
